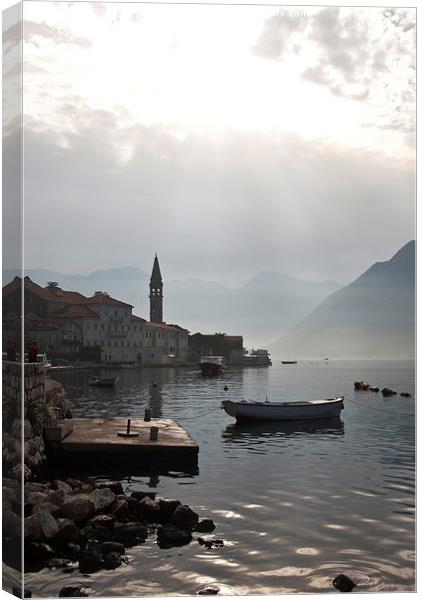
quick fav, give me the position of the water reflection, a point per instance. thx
(288, 429)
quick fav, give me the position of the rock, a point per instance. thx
(67, 533)
(90, 558)
(112, 560)
(209, 590)
(343, 583)
(121, 509)
(103, 499)
(137, 495)
(74, 483)
(53, 509)
(114, 486)
(205, 526)
(405, 395)
(147, 510)
(374, 388)
(57, 497)
(108, 547)
(39, 552)
(73, 591)
(184, 517)
(35, 487)
(35, 498)
(78, 508)
(169, 536)
(58, 563)
(72, 550)
(387, 392)
(130, 533)
(103, 521)
(62, 485)
(41, 526)
(167, 508)
(210, 542)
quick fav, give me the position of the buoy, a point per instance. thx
(226, 387)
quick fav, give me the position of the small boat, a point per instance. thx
(283, 411)
(212, 365)
(289, 362)
(103, 381)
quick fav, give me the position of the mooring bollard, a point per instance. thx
(153, 434)
(128, 427)
(128, 432)
(147, 416)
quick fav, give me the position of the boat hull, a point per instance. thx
(211, 369)
(284, 411)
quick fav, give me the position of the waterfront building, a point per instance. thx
(97, 328)
(229, 346)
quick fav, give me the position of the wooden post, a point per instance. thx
(153, 434)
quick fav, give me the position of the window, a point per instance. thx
(115, 313)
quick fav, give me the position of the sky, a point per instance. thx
(229, 139)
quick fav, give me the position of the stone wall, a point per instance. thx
(44, 404)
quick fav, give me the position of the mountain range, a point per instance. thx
(374, 316)
(266, 306)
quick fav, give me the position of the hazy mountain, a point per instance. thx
(269, 302)
(373, 316)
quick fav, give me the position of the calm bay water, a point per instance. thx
(295, 504)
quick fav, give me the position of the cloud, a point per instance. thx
(214, 208)
(357, 54)
(32, 30)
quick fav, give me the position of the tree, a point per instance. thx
(52, 284)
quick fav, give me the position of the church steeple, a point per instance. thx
(156, 294)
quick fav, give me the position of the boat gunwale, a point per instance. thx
(295, 404)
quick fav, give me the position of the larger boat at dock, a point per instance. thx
(257, 358)
(212, 365)
(283, 411)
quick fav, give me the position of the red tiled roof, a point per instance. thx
(163, 326)
(79, 312)
(135, 318)
(105, 299)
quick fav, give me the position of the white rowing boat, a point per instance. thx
(283, 411)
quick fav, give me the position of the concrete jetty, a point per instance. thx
(95, 442)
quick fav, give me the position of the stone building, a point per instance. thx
(98, 328)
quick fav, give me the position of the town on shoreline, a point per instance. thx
(72, 330)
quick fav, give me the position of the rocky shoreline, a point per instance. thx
(88, 524)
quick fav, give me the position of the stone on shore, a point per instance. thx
(73, 591)
(169, 535)
(62, 485)
(147, 510)
(68, 532)
(211, 542)
(108, 547)
(102, 499)
(112, 561)
(121, 509)
(114, 486)
(184, 517)
(388, 392)
(205, 526)
(167, 508)
(78, 508)
(90, 557)
(129, 534)
(209, 590)
(343, 583)
(41, 526)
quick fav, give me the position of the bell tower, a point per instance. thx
(156, 294)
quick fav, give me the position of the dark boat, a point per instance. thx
(289, 362)
(212, 365)
(103, 381)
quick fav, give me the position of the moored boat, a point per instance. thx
(283, 411)
(212, 365)
(103, 381)
(289, 362)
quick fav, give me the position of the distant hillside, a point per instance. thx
(269, 302)
(374, 316)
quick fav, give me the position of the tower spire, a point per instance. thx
(156, 293)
